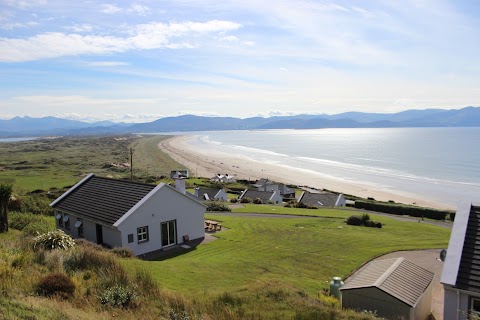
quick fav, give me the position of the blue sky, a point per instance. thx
(137, 61)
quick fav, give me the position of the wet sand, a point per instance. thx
(205, 163)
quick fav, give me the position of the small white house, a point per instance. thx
(461, 271)
(145, 218)
(211, 194)
(223, 178)
(322, 199)
(265, 196)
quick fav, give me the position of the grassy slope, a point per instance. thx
(150, 160)
(302, 253)
(45, 164)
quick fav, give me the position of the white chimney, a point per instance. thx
(180, 184)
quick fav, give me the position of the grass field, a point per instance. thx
(61, 162)
(255, 254)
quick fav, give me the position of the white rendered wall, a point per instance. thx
(165, 205)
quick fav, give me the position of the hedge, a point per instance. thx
(399, 209)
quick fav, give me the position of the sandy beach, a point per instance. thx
(206, 164)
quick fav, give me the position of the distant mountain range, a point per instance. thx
(27, 126)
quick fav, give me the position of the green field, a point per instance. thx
(57, 163)
(301, 253)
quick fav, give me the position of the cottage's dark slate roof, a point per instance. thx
(102, 199)
(253, 194)
(468, 277)
(211, 192)
(399, 278)
(326, 199)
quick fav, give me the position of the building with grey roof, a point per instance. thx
(393, 288)
(211, 194)
(322, 199)
(117, 213)
(461, 271)
(264, 196)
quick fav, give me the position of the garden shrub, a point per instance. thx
(365, 218)
(53, 240)
(119, 296)
(451, 215)
(36, 204)
(378, 224)
(270, 202)
(246, 200)
(56, 284)
(257, 201)
(354, 221)
(123, 252)
(369, 223)
(288, 205)
(19, 220)
(301, 205)
(234, 200)
(217, 206)
(36, 228)
(394, 208)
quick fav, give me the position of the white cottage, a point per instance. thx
(145, 218)
(461, 271)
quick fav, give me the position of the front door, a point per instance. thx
(99, 234)
(169, 233)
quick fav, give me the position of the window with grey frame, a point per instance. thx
(79, 226)
(66, 221)
(142, 234)
(169, 233)
(59, 218)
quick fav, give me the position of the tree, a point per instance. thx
(5, 194)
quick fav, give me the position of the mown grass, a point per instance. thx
(300, 253)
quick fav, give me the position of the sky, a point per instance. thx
(137, 61)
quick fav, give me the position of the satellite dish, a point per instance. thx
(443, 254)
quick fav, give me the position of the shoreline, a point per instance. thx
(206, 164)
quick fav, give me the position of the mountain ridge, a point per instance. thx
(25, 126)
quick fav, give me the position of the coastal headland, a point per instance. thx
(203, 163)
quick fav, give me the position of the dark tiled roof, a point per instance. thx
(211, 192)
(103, 200)
(399, 278)
(468, 277)
(253, 194)
(325, 198)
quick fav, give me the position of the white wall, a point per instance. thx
(277, 198)
(165, 205)
(455, 305)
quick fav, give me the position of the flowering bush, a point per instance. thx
(53, 240)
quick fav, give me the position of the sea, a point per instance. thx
(441, 165)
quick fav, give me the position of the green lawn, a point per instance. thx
(299, 253)
(273, 209)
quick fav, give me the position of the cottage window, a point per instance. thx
(142, 234)
(79, 226)
(130, 238)
(59, 219)
(66, 221)
(169, 233)
(475, 309)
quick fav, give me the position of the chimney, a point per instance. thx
(180, 184)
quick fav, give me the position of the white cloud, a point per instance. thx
(24, 4)
(15, 25)
(109, 8)
(80, 28)
(139, 9)
(105, 63)
(145, 36)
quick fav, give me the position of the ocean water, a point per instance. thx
(438, 164)
(17, 139)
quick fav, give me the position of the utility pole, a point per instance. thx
(131, 163)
